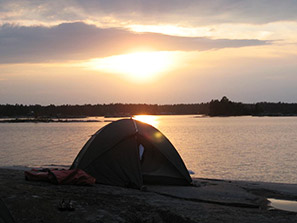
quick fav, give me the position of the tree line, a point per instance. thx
(117, 109)
(223, 107)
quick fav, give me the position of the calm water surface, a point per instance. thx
(239, 148)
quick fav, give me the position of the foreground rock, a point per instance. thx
(208, 201)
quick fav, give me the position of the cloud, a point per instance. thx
(79, 41)
(199, 11)
(193, 13)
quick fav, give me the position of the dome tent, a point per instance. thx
(131, 153)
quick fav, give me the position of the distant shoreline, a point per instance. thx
(80, 120)
(223, 107)
(31, 120)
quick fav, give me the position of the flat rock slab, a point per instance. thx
(216, 192)
(266, 189)
(211, 201)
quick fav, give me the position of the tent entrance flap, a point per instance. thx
(156, 168)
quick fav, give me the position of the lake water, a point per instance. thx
(235, 148)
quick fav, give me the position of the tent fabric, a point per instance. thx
(118, 166)
(112, 156)
(107, 138)
(163, 145)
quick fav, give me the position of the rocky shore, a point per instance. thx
(208, 200)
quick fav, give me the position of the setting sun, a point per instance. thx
(149, 119)
(139, 66)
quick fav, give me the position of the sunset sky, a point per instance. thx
(137, 51)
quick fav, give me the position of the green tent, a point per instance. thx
(131, 153)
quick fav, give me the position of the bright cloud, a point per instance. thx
(79, 41)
